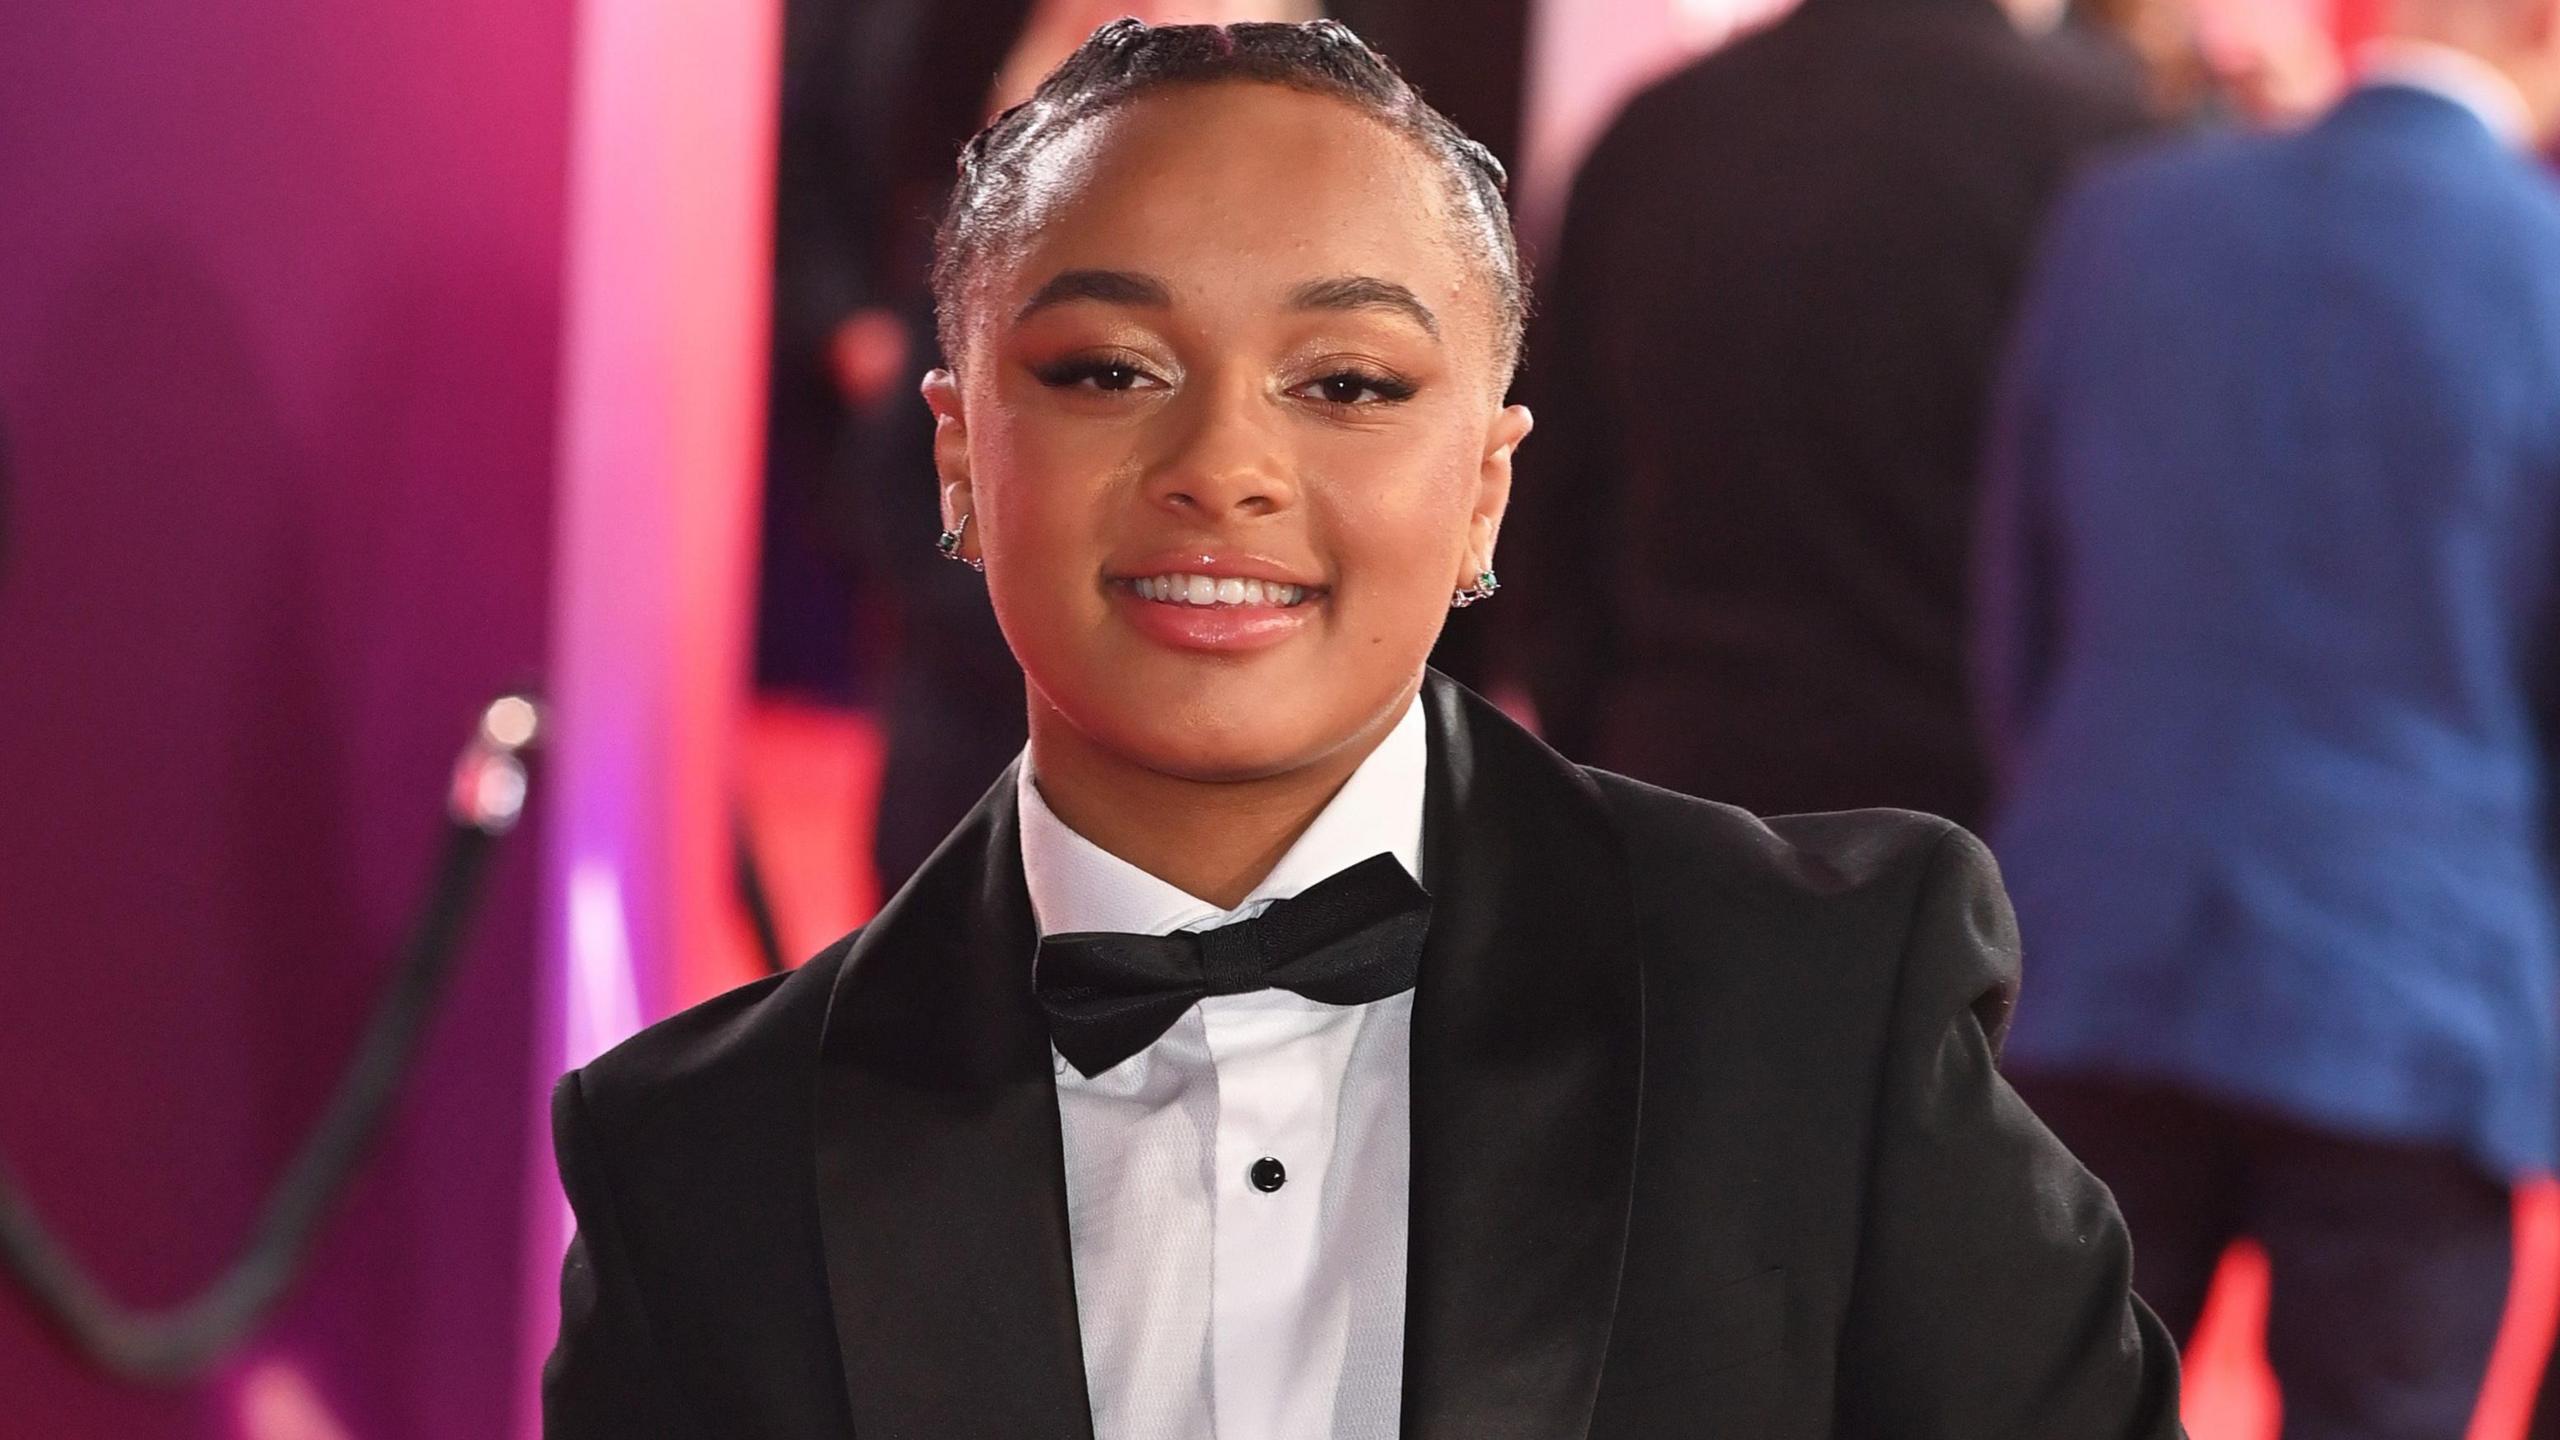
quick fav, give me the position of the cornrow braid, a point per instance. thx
(1129, 58)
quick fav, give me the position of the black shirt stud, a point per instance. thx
(1268, 1175)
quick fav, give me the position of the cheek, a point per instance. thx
(1040, 484)
(1402, 532)
(1043, 505)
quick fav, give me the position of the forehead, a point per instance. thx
(1237, 186)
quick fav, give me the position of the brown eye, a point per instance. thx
(1351, 389)
(1109, 376)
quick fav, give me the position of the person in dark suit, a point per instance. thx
(830, 355)
(2268, 640)
(1766, 353)
(875, 96)
(1290, 1045)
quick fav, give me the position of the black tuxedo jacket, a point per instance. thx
(1707, 1141)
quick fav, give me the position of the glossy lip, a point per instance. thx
(1214, 629)
(1217, 565)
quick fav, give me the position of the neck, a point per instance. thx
(2524, 81)
(1216, 839)
(2036, 17)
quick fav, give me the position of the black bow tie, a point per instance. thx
(1354, 938)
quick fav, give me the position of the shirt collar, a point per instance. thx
(1077, 885)
(2456, 75)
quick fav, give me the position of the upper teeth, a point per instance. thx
(1210, 590)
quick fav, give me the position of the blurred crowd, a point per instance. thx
(2131, 429)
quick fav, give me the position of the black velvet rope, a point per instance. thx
(179, 1343)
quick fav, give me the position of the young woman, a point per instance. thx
(1291, 1046)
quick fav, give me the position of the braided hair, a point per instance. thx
(1130, 58)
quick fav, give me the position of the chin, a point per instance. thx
(1241, 736)
(1202, 715)
(1218, 722)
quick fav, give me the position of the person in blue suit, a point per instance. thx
(2266, 647)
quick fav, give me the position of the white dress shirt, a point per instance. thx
(2457, 75)
(1211, 1307)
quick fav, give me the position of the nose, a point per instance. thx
(1226, 459)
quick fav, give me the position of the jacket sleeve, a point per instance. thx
(605, 1379)
(1992, 1297)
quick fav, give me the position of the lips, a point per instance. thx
(1215, 604)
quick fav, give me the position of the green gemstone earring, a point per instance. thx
(1483, 589)
(948, 542)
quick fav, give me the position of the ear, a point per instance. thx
(951, 454)
(1510, 426)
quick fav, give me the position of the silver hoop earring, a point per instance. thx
(1483, 589)
(948, 542)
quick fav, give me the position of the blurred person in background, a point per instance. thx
(2153, 45)
(1769, 334)
(2215, 61)
(849, 69)
(2267, 648)
(876, 95)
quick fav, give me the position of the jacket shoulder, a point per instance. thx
(731, 1054)
(1839, 924)
(1678, 841)
(1840, 888)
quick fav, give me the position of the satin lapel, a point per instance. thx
(1527, 1067)
(942, 1201)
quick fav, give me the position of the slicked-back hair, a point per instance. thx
(1130, 58)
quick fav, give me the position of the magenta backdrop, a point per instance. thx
(279, 337)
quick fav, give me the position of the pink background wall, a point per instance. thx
(280, 306)
(669, 260)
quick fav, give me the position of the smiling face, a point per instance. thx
(1227, 426)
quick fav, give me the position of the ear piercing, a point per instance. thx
(1483, 589)
(948, 542)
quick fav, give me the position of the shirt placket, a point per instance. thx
(1275, 1103)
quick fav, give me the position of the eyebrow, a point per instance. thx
(1365, 292)
(1109, 287)
(1127, 287)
